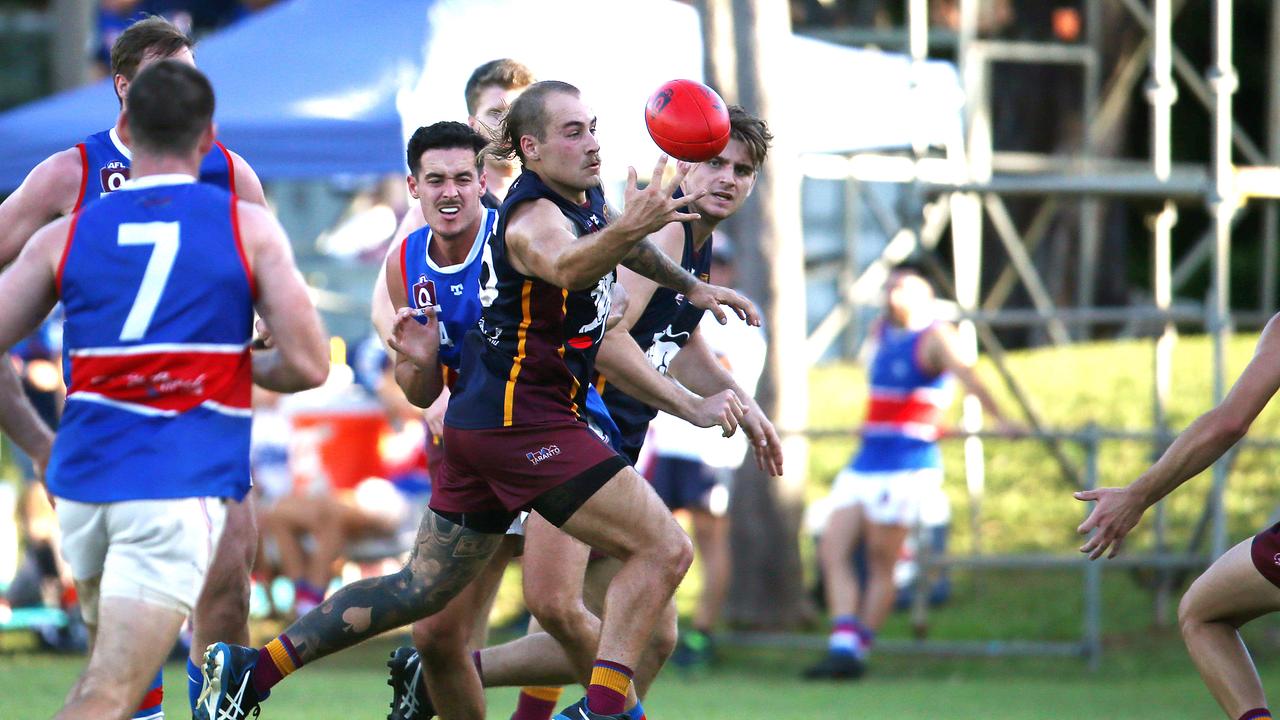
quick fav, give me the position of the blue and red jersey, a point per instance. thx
(106, 160)
(905, 406)
(530, 358)
(159, 315)
(460, 291)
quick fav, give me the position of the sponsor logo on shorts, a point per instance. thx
(542, 453)
(1276, 559)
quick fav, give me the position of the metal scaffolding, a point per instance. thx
(970, 182)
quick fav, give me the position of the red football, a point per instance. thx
(688, 120)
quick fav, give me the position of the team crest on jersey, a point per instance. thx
(424, 292)
(113, 175)
(456, 289)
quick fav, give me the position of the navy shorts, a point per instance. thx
(683, 483)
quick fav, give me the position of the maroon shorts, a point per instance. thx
(1266, 553)
(551, 468)
(435, 456)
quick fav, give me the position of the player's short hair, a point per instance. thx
(752, 132)
(149, 36)
(446, 134)
(528, 116)
(170, 105)
(505, 73)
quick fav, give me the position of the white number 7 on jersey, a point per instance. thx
(164, 236)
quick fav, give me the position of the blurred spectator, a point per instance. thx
(193, 17)
(369, 224)
(42, 579)
(313, 526)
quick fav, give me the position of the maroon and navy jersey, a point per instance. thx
(159, 314)
(106, 161)
(665, 326)
(530, 358)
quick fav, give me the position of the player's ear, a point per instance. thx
(122, 87)
(207, 138)
(484, 179)
(412, 182)
(529, 147)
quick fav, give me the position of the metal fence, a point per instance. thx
(1089, 645)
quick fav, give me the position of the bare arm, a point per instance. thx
(649, 260)
(381, 313)
(299, 359)
(1196, 448)
(28, 286)
(624, 364)
(542, 243)
(942, 354)
(18, 417)
(49, 191)
(248, 186)
(416, 347)
(697, 368)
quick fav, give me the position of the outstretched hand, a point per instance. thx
(419, 343)
(765, 443)
(1117, 512)
(652, 208)
(711, 297)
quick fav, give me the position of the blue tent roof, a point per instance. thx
(298, 92)
(317, 88)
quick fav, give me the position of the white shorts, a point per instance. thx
(156, 551)
(893, 498)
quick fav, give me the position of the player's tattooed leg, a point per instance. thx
(446, 556)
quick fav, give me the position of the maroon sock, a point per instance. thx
(536, 703)
(1257, 714)
(276, 660)
(607, 693)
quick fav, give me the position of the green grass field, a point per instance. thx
(1150, 678)
(1026, 508)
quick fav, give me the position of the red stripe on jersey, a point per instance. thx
(66, 250)
(898, 411)
(244, 259)
(166, 380)
(404, 271)
(84, 176)
(231, 167)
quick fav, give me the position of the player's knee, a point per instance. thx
(1189, 615)
(677, 558)
(565, 619)
(664, 640)
(438, 639)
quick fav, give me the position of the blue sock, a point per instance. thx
(637, 712)
(195, 681)
(152, 705)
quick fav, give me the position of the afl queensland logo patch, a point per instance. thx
(424, 292)
(113, 175)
